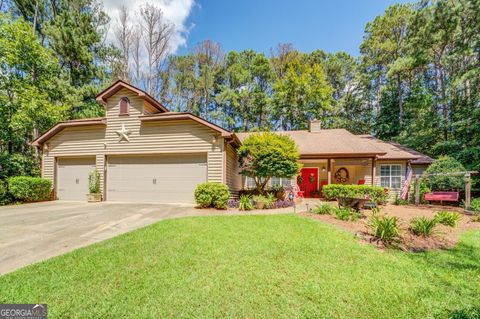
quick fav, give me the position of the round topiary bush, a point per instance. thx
(212, 195)
(439, 182)
(29, 189)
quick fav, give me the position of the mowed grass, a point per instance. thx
(250, 267)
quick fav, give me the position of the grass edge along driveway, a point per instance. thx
(281, 266)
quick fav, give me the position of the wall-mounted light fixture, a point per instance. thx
(214, 139)
(323, 169)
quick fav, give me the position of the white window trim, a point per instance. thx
(250, 183)
(390, 176)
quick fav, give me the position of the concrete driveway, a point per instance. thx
(34, 232)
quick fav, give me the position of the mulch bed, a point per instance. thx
(443, 238)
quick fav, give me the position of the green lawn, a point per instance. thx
(250, 267)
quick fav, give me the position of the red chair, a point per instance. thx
(361, 182)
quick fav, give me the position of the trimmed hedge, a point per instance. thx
(212, 195)
(29, 189)
(334, 191)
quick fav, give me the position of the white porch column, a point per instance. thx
(329, 171)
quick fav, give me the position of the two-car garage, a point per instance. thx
(145, 178)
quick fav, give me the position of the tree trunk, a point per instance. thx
(400, 99)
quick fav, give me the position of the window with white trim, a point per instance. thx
(391, 176)
(274, 181)
(277, 181)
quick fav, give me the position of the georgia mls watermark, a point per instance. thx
(23, 311)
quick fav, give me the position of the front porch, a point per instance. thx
(317, 173)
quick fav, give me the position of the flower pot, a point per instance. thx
(92, 198)
(260, 205)
(280, 195)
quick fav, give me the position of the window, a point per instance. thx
(391, 176)
(124, 103)
(274, 181)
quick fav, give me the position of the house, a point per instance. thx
(145, 153)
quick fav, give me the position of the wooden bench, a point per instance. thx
(442, 197)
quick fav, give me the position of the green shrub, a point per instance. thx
(212, 195)
(422, 226)
(29, 189)
(3, 192)
(323, 209)
(375, 193)
(384, 228)
(94, 182)
(263, 155)
(245, 203)
(399, 201)
(342, 213)
(447, 218)
(423, 190)
(475, 204)
(445, 164)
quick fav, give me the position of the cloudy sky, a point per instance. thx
(331, 25)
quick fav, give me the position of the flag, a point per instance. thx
(406, 184)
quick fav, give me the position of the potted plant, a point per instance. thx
(94, 187)
(260, 201)
(279, 191)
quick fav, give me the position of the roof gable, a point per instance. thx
(103, 96)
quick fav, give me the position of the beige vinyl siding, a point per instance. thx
(233, 178)
(215, 166)
(48, 168)
(162, 137)
(82, 140)
(100, 165)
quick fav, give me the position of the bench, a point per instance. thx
(442, 197)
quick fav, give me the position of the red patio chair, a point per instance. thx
(361, 182)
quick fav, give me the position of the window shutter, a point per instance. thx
(124, 105)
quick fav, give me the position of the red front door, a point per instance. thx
(309, 181)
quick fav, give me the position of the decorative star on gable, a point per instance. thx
(123, 134)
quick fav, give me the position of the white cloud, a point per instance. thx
(175, 11)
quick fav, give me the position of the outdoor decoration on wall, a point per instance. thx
(341, 175)
(299, 179)
(311, 178)
(123, 134)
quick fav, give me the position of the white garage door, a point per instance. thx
(159, 179)
(72, 177)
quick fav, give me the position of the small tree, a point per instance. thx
(94, 182)
(263, 155)
(442, 182)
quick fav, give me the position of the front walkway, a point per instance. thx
(34, 232)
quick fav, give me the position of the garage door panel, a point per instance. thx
(72, 177)
(162, 179)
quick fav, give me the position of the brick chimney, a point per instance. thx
(315, 126)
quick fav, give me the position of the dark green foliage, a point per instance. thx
(439, 182)
(245, 203)
(29, 189)
(384, 228)
(422, 226)
(3, 192)
(447, 218)
(422, 191)
(212, 195)
(323, 209)
(345, 214)
(375, 193)
(263, 155)
(475, 204)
